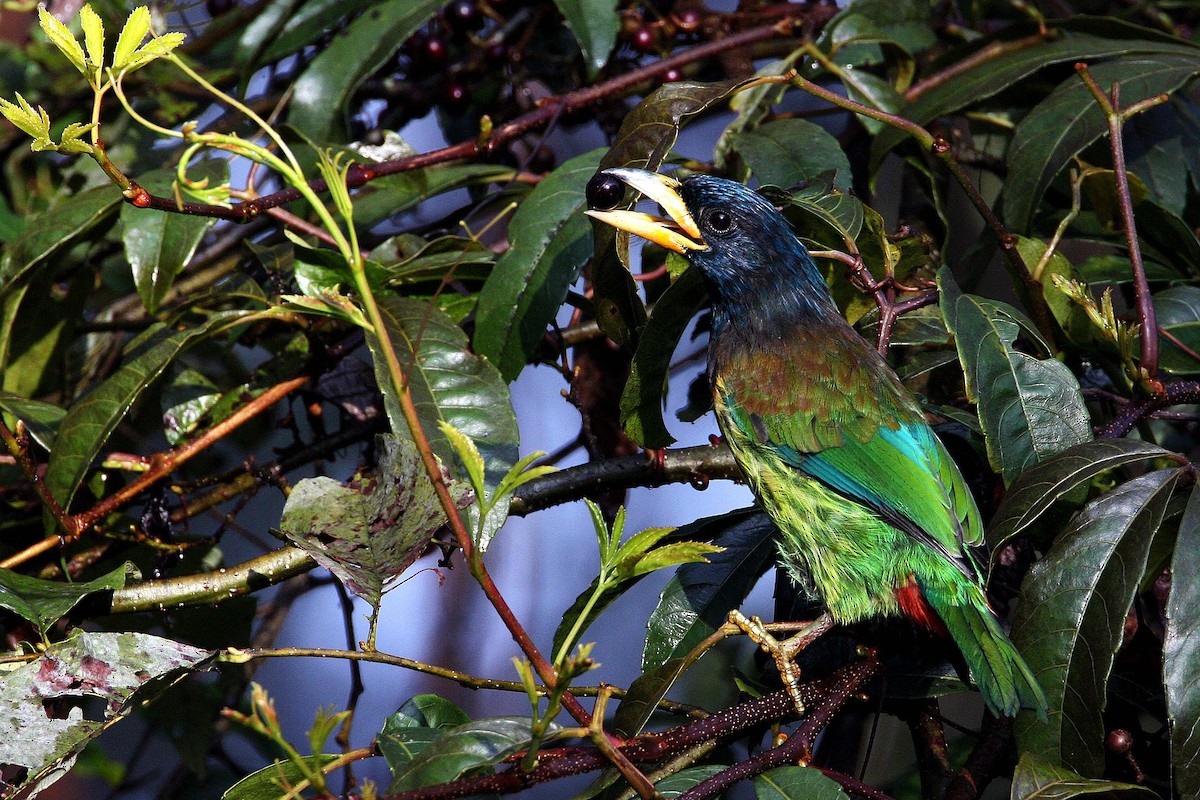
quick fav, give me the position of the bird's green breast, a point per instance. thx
(840, 456)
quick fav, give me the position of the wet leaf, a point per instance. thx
(595, 24)
(44, 602)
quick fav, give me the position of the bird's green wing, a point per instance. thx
(846, 421)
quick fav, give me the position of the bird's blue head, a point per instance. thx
(755, 264)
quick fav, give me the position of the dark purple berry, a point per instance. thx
(643, 40)
(672, 75)
(435, 50)
(603, 192)
(462, 16)
(496, 53)
(689, 21)
(456, 96)
(1119, 741)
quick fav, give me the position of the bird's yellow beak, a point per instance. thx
(679, 233)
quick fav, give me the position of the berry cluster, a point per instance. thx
(500, 57)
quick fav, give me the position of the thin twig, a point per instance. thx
(1115, 116)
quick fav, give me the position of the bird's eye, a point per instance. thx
(719, 221)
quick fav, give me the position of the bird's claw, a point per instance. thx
(784, 653)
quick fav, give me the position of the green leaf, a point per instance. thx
(1030, 408)
(427, 711)
(1070, 619)
(989, 76)
(1069, 120)
(595, 24)
(1177, 311)
(36, 123)
(1048, 481)
(54, 229)
(91, 420)
(329, 80)
(550, 240)
(44, 602)
(645, 389)
(41, 419)
(415, 724)
(118, 668)
(751, 106)
(157, 47)
(158, 244)
(871, 90)
(1037, 778)
(392, 194)
(274, 780)
(369, 531)
(674, 785)
(1181, 652)
(466, 747)
(699, 598)
(62, 38)
(791, 151)
(830, 218)
(448, 383)
(797, 783)
(281, 29)
(93, 34)
(137, 25)
(636, 558)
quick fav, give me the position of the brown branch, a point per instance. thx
(548, 110)
(1171, 394)
(1029, 289)
(567, 761)
(798, 747)
(162, 465)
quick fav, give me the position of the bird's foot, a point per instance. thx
(784, 653)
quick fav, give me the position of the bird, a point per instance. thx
(872, 512)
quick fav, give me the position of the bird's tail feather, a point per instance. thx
(1004, 679)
